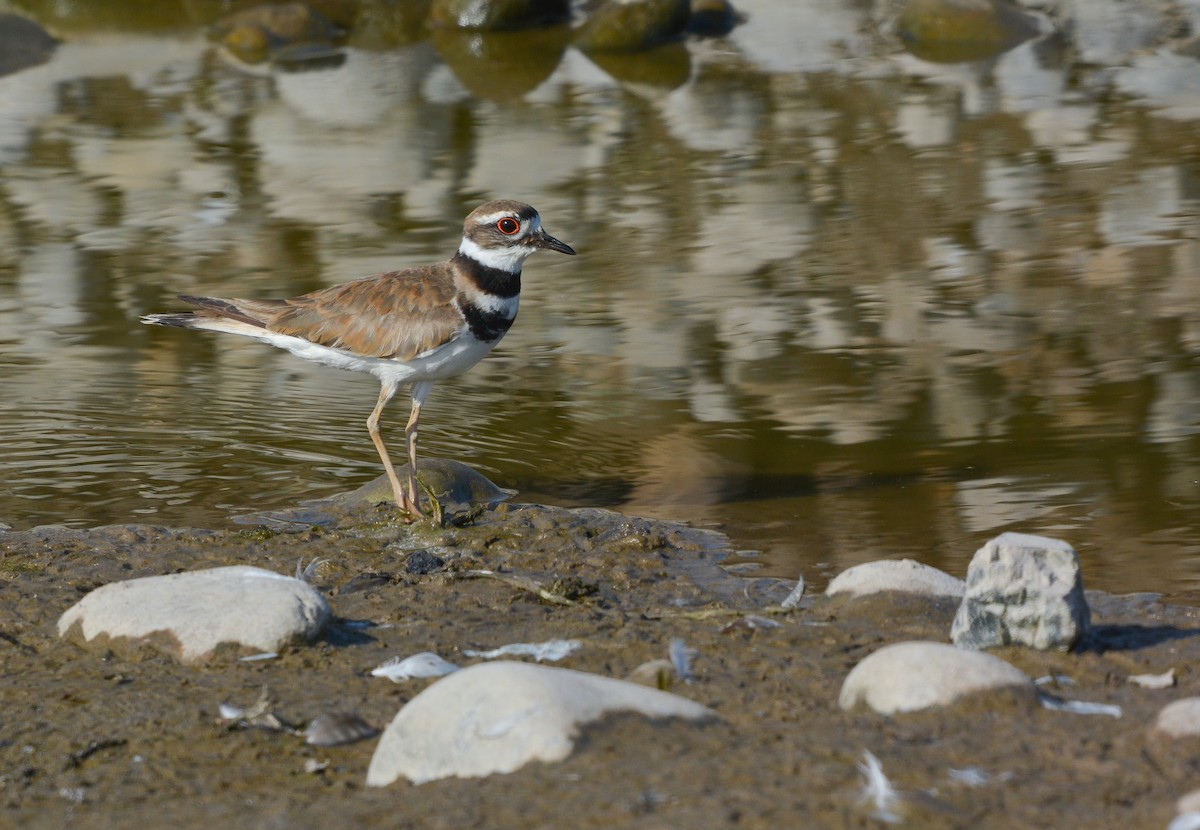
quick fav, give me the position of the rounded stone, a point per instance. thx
(496, 717)
(953, 31)
(907, 677)
(188, 615)
(1179, 719)
(905, 575)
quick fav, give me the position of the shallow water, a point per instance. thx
(840, 301)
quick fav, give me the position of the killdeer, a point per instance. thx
(415, 326)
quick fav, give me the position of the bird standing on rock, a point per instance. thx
(416, 326)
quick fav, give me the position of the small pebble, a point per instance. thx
(749, 623)
(424, 562)
(338, 728)
(1154, 681)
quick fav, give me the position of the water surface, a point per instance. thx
(842, 302)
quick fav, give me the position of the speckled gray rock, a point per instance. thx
(1179, 719)
(497, 717)
(906, 677)
(1022, 590)
(904, 575)
(188, 615)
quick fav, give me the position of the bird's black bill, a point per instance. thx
(545, 240)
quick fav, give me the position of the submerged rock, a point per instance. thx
(497, 717)
(188, 615)
(1023, 590)
(906, 677)
(905, 575)
(457, 487)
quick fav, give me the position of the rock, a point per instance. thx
(498, 15)
(1179, 719)
(905, 575)
(497, 717)
(1188, 807)
(1185, 821)
(23, 44)
(188, 615)
(458, 487)
(1189, 803)
(650, 73)
(633, 25)
(954, 31)
(501, 66)
(1023, 590)
(255, 33)
(713, 18)
(906, 677)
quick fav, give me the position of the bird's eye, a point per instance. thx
(508, 226)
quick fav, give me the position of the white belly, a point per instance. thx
(445, 361)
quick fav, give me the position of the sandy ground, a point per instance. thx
(102, 740)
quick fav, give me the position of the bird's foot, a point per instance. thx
(437, 513)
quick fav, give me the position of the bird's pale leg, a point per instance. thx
(420, 390)
(402, 500)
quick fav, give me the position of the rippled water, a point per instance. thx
(839, 301)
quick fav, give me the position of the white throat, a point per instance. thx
(504, 259)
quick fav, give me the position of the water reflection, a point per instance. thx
(843, 301)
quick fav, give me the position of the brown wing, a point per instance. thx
(398, 314)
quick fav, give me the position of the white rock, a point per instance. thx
(905, 677)
(497, 717)
(905, 575)
(1179, 719)
(1023, 590)
(189, 614)
(1189, 802)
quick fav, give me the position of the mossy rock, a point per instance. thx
(502, 66)
(660, 69)
(256, 33)
(956, 31)
(633, 25)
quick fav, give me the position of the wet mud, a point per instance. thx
(101, 739)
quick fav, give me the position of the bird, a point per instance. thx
(416, 325)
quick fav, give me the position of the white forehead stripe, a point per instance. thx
(492, 218)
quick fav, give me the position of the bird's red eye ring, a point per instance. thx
(508, 226)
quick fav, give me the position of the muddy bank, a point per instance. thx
(101, 740)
